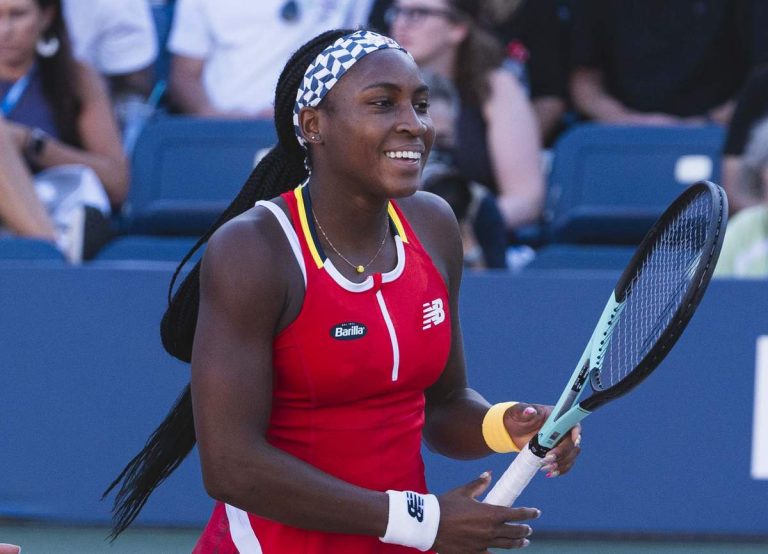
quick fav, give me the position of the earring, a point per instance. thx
(47, 48)
(315, 137)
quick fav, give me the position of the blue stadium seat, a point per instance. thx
(149, 248)
(609, 183)
(186, 170)
(582, 257)
(18, 248)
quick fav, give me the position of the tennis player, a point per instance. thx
(326, 335)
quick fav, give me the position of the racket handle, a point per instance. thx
(515, 478)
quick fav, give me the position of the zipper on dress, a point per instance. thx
(392, 335)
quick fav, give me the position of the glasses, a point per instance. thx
(416, 15)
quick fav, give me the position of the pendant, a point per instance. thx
(359, 269)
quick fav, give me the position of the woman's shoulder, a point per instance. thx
(425, 209)
(434, 222)
(250, 248)
(504, 84)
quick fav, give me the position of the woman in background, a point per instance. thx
(55, 112)
(745, 249)
(497, 135)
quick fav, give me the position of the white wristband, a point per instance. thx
(413, 519)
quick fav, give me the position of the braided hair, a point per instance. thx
(279, 171)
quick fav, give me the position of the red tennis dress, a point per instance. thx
(349, 380)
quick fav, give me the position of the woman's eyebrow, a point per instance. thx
(395, 87)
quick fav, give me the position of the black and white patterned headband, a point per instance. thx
(331, 64)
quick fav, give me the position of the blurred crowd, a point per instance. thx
(79, 79)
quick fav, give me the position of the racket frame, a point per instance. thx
(569, 410)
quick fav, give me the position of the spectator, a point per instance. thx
(482, 228)
(227, 54)
(752, 105)
(117, 38)
(56, 117)
(745, 250)
(657, 62)
(497, 136)
(530, 30)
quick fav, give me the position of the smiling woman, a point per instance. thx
(306, 325)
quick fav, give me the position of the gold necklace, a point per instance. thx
(357, 268)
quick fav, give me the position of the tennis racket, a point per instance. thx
(645, 315)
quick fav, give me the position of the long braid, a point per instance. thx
(280, 170)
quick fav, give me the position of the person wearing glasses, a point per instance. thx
(497, 139)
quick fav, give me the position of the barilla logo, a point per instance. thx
(348, 331)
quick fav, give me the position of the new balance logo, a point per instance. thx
(348, 331)
(415, 506)
(434, 314)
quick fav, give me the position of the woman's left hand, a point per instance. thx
(523, 421)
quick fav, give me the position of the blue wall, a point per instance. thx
(84, 380)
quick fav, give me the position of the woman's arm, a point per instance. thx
(513, 144)
(455, 412)
(101, 146)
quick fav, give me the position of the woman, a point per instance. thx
(311, 385)
(498, 139)
(745, 248)
(55, 112)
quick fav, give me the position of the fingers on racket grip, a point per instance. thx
(515, 479)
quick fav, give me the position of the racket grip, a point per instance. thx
(515, 478)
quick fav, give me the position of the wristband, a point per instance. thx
(495, 432)
(413, 519)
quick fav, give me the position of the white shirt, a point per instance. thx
(245, 44)
(114, 36)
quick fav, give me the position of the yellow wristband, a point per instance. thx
(494, 431)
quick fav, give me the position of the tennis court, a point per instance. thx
(37, 539)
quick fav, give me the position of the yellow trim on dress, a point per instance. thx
(305, 227)
(398, 224)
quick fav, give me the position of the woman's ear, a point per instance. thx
(458, 32)
(46, 19)
(309, 124)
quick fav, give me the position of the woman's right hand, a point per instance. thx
(468, 526)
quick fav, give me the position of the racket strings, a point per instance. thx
(656, 292)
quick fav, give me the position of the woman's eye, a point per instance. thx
(422, 106)
(382, 103)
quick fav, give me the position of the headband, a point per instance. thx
(331, 64)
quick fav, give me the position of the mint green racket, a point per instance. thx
(645, 315)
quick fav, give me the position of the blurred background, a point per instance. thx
(564, 128)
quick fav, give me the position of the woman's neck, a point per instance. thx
(443, 64)
(346, 217)
(15, 71)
